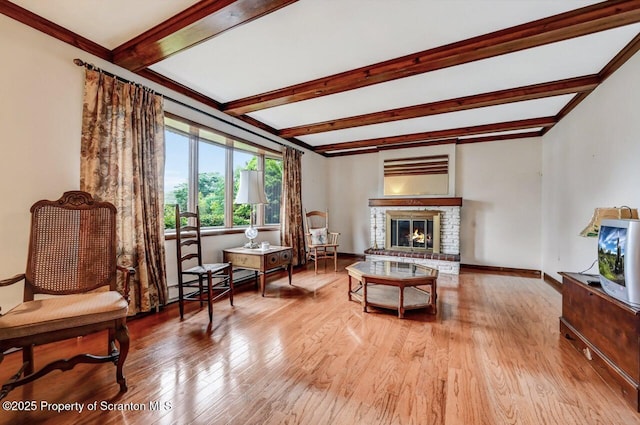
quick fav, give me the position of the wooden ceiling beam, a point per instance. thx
(496, 137)
(177, 87)
(535, 91)
(587, 20)
(388, 147)
(614, 64)
(41, 24)
(198, 23)
(398, 141)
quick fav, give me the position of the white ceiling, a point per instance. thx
(311, 39)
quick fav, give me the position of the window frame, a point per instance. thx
(230, 146)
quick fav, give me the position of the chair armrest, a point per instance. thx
(6, 282)
(128, 272)
(15, 279)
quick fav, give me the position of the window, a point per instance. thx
(176, 174)
(211, 166)
(273, 189)
(203, 167)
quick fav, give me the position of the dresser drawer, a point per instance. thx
(277, 259)
(243, 261)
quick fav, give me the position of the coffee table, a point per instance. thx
(260, 260)
(393, 285)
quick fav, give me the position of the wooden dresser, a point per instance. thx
(605, 330)
(260, 260)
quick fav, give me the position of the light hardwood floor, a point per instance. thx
(304, 354)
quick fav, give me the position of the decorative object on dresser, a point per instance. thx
(72, 254)
(605, 330)
(260, 261)
(321, 243)
(189, 248)
(599, 214)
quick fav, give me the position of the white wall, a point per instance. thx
(590, 159)
(352, 180)
(41, 114)
(499, 183)
(40, 117)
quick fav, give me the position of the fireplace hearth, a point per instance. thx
(416, 230)
(413, 231)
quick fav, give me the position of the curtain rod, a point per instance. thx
(80, 62)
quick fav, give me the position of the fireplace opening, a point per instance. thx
(413, 231)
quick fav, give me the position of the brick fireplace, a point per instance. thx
(442, 252)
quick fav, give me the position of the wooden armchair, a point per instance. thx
(72, 254)
(321, 243)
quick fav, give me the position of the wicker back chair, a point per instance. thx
(321, 243)
(72, 252)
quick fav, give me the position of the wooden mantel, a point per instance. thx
(415, 202)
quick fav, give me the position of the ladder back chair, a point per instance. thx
(321, 243)
(188, 249)
(72, 254)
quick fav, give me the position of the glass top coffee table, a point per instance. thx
(393, 285)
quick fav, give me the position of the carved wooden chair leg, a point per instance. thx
(230, 285)
(181, 300)
(27, 359)
(111, 342)
(122, 335)
(210, 295)
(9, 385)
(201, 290)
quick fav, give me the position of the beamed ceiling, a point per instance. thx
(345, 77)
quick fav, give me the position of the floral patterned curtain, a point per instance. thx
(292, 226)
(122, 161)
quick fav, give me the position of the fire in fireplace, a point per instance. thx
(413, 231)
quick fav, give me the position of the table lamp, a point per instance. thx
(251, 191)
(600, 214)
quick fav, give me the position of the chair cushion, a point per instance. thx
(62, 312)
(215, 268)
(318, 236)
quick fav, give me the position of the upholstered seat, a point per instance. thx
(52, 314)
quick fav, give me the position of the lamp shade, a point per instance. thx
(600, 214)
(251, 190)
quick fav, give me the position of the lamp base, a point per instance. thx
(251, 233)
(252, 244)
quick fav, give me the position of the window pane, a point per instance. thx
(176, 175)
(242, 161)
(211, 163)
(273, 189)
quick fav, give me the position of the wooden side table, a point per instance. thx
(259, 260)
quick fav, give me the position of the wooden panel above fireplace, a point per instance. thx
(415, 202)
